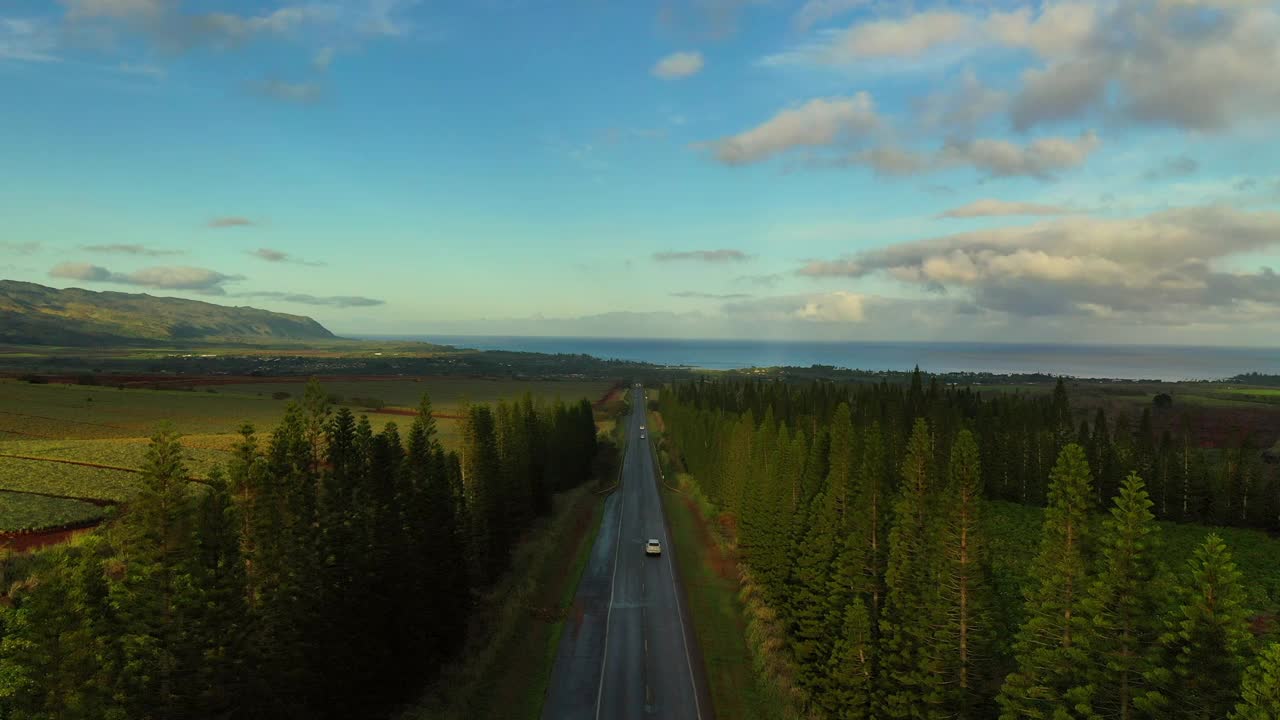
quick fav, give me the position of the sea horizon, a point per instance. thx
(1080, 360)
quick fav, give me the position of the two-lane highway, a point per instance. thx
(628, 649)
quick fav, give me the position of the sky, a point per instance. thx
(977, 170)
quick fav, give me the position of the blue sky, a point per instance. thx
(828, 169)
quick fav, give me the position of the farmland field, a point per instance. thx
(72, 481)
(60, 411)
(20, 511)
(1253, 551)
(45, 428)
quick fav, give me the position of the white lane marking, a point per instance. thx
(613, 582)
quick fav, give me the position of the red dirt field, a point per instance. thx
(25, 542)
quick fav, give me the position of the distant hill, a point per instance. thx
(32, 314)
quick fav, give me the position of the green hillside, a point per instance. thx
(32, 314)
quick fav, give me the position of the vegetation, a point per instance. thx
(902, 594)
(326, 572)
(22, 512)
(40, 315)
(719, 616)
(71, 481)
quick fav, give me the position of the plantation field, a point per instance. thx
(448, 395)
(59, 411)
(20, 512)
(121, 452)
(73, 481)
(53, 425)
(1254, 552)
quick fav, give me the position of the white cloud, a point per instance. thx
(909, 37)
(28, 40)
(819, 122)
(678, 65)
(710, 256)
(130, 249)
(837, 307)
(199, 280)
(23, 248)
(338, 301)
(963, 107)
(278, 256)
(114, 8)
(323, 58)
(1164, 267)
(144, 69)
(1041, 158)
(301, 93)
(1202, 66)
(989, 207)
(814, 12)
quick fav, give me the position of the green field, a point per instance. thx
(22, 511)
(74, 481)
(1255, 553)
(103, 425)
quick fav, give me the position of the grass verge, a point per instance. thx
(506, 666)
(719, 618)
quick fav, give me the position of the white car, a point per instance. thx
(641, 428)
(653, 547)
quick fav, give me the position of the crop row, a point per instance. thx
(119, 452)
(73, 481)
(20, 512)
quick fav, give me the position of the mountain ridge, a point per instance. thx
(34, 314)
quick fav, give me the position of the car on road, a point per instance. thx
(653, 547)
(641, 428)
(642, 435)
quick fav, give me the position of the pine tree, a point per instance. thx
(910, 687)
(871, 521)
(960, 647)
(1050, 654)
(851, 669)
(59, 657)
(1260, 689)
(148, 593)
(809, 594)
(212, 660)
(1124, 603)
(482, 476)
(1202, 651)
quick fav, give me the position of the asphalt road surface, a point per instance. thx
(628, 649)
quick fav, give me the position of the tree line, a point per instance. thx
(327, 571)
(1019, 437)
(858, 517)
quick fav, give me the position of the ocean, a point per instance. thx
(1134, 362)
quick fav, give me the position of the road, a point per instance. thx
(628, 650)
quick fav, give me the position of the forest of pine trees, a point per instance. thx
(859, 517)
(327, 572)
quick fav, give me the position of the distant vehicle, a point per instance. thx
(653, 547)
(641, 436)
(641, 428)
